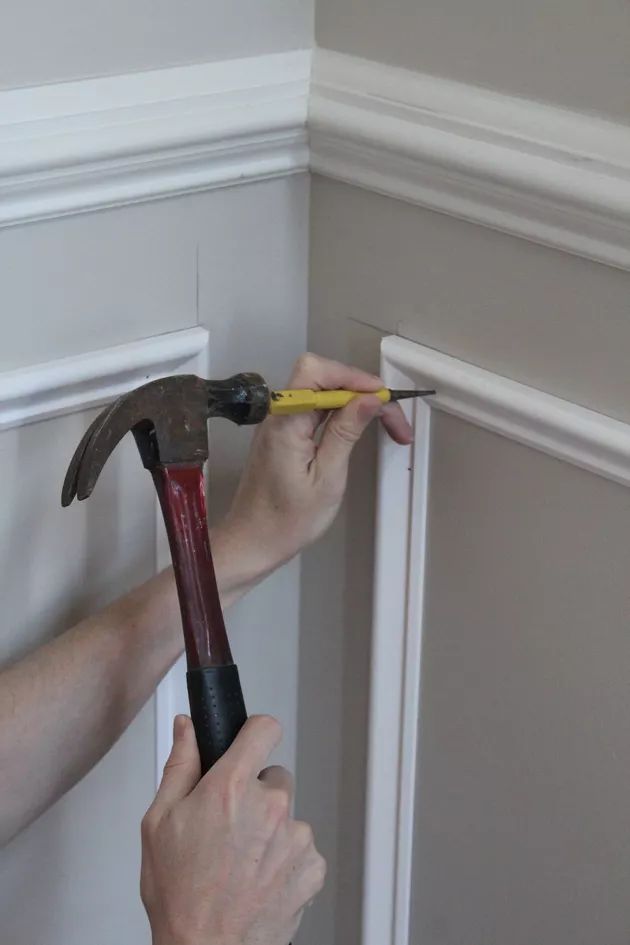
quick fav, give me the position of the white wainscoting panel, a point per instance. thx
(554, 176)
(569, 432)
(79, 146)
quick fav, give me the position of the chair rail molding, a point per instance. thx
(550, 175)
(569, 432)
(546, 174)
(91, 379)
(106, 142)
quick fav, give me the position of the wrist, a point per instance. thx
(241, 559)
(188, 938)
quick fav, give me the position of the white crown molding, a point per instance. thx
(549, 175)
(79, 146)
(554, 426)
(67, 385)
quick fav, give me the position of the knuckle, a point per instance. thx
(277, 804)
(306, 370)
(321, 869)
(318, 874)
(306, 362)
(302, 834)
(233, 785)
(226, 790)
(267, 725)
(145, 890)
(345, 433)
(148, 824)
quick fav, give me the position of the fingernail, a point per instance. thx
(179, 726)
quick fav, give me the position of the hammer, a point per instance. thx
(168, 418)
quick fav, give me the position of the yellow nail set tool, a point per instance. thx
(286, 402)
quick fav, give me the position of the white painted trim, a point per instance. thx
(386, 698)
(570, 433)
(547, 174)
(553, 176)
(562, 429)
(67, 385)
(79, 146)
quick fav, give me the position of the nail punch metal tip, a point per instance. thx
(405, 394)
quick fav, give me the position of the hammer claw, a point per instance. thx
(70, 483)
(168, 418)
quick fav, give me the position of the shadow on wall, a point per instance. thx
(335, 648)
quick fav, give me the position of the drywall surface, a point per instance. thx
(522, 828)
(42, 42)
(568, 52)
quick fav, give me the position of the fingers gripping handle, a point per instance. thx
(217, 709)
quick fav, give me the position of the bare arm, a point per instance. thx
(65, 704)
(95, 677)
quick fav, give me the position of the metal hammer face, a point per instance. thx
(168, 418)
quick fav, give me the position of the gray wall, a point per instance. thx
(572, 53)
(74, 285)
(550, 320)
(52, 42)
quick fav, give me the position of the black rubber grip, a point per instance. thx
(217, 709)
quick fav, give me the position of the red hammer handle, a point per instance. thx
(217, 706)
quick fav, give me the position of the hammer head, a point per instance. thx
(168, 419)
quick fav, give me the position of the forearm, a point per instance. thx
(63, 706)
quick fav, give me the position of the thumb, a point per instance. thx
(183, 768)
(343, 430)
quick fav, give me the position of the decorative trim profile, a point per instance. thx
(569, 432)
(550, 175)
(79, 146)
(562, 429)
(67, 385)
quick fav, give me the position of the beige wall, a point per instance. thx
(572, 53)
(522, 813)
(554, 321)
(550, 320)
(51, 42)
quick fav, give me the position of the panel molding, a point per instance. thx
(68, 385)
(79, 146)
(553, 176)
(570, 433)
(550, 424)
